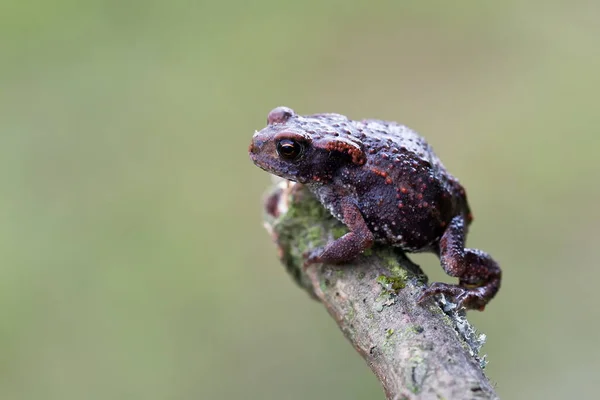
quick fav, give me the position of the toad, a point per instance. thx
(385, 183)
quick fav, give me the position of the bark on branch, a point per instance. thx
(417, 351)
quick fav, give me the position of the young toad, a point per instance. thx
(384, 182)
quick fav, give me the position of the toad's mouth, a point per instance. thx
(260, 163)
(281, 170)
(256, 159)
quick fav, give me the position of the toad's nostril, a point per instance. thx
(258, 142)
(251, 148)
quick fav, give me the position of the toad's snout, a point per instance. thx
(258, 143)
(252, 149)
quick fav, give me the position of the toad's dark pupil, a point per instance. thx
(289, 149)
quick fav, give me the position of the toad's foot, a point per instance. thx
(478, 284)
(349, 246)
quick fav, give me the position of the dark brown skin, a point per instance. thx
(384, 182)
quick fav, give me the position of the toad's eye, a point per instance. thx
(289, 149)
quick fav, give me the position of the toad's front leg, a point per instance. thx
(349, 246)
(479, 275)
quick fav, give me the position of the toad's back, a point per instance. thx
(404, 192)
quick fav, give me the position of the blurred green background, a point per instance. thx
(133, 263)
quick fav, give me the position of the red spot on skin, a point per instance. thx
(420, 196)
(384, 156)
(404, 190)
(379, 172)
(388, 181)
(425, 204)
(400, 205)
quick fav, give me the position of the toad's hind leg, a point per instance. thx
(348, 246)
(479, 275)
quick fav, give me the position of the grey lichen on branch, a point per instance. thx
(417, 351)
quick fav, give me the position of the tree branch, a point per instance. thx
(416, 351)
